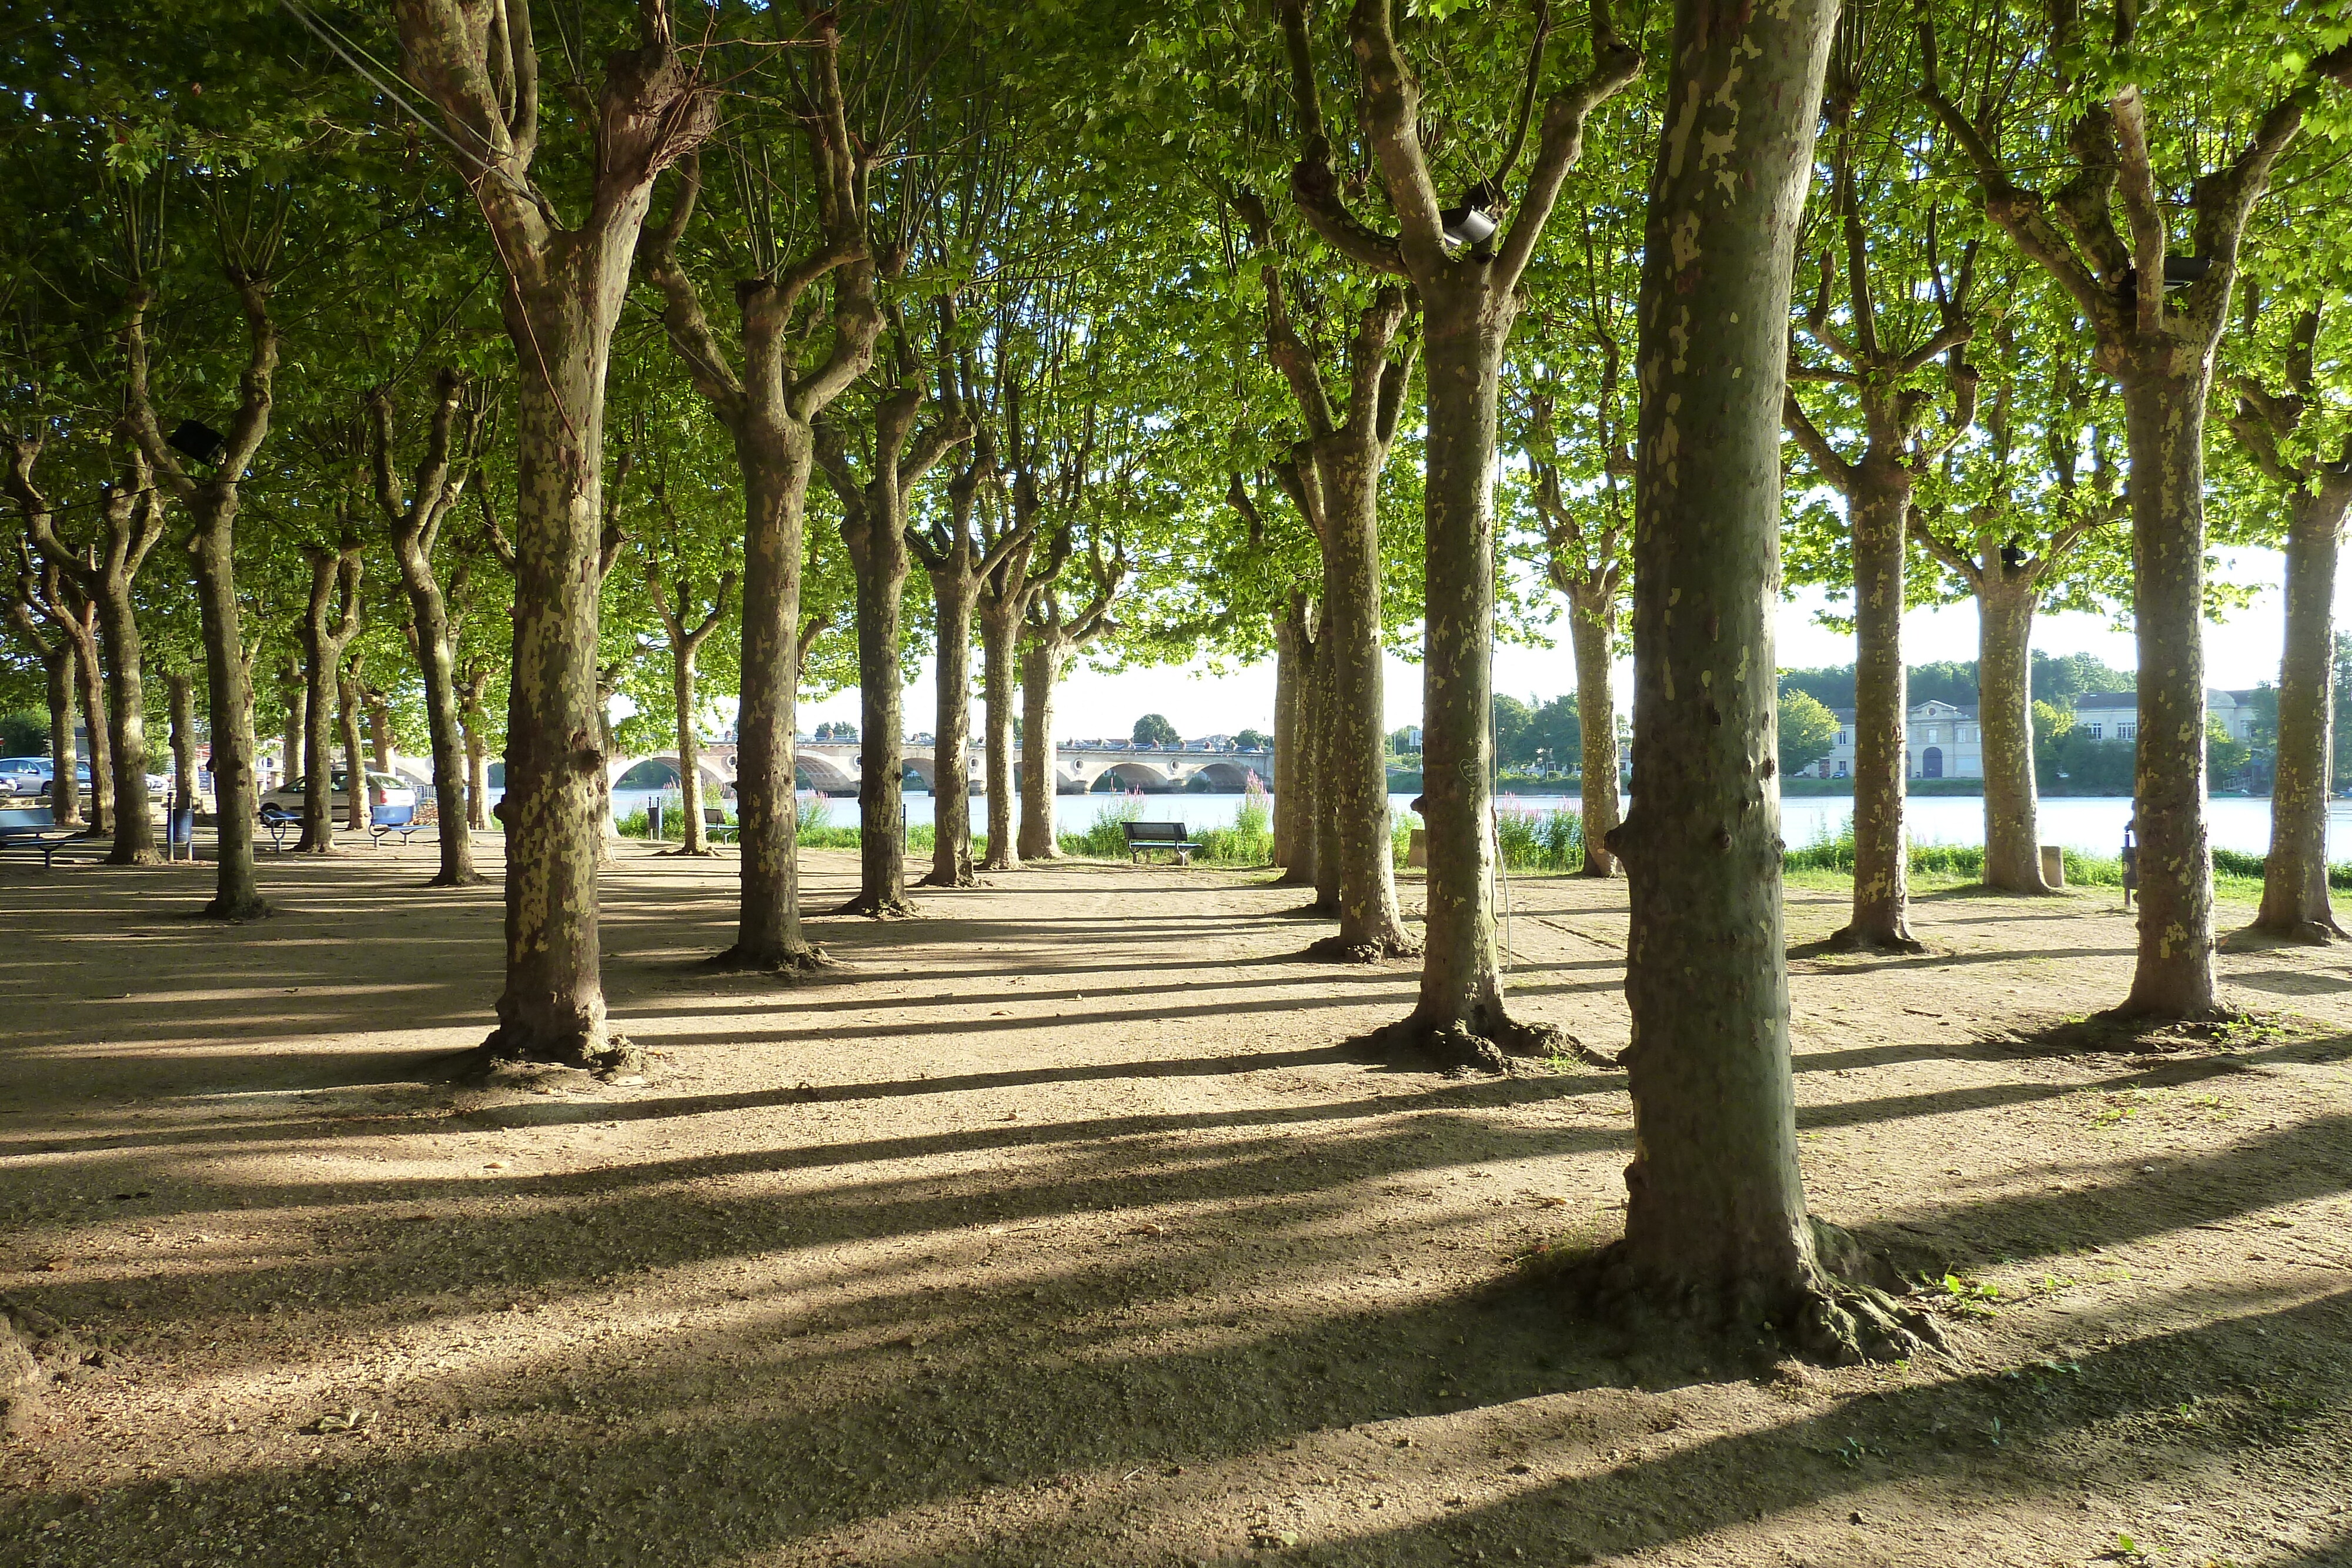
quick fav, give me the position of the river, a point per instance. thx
(2094, 823)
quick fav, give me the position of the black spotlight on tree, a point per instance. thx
(195, 439)
(2012, 556)
(1472, 222)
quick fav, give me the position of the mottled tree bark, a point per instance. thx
(2158, 343)
(768, 400)
(2294, 878)
(290, 756)
(1716, 1221)
(131, 522)
(1882, 881)
(2164, 422)
(1591, 629)
(2005, 604)
(2281, 432)
(212, 505)
(89, 673)
(415, 521)
(874, 527)
(325, 635)
(564, 292)
(185, 795)
(1469, 301)
(57, 656)
(1000, 634)
(1321, 706)
(1295, 761)
(357, 798)
(1041, 671)
(952, 594)
(687, 636)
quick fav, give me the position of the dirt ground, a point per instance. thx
(1058, 1228)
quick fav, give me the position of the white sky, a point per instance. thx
(1089, 704)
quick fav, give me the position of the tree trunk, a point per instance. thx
(126, 725)
(1591, 628)
(229, 693)
(1285, 740)
(952, 590)
(697, 841)
(185, 793)
(379, 725)
(89, 675)
(1715, 1221)
(608, 827)
(1460, 1019)
(1322, 713)
(1355, 798)
(323, 702)
(999, 644)
(1882, 879)
(1296, 762)
(880, 559)
(356, 795)
(553, 1007)
(65, 789)
(1041, 668)
(2294, 878)
(455, 807)
(477, 780)
(2005, 730)
(289, 759)
(2165, 418)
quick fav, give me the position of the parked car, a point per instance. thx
(31, 776)
(383, 790)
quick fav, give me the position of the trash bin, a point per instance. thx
(653, 820)
(180, 833)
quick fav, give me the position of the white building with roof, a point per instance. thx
(1940, 741)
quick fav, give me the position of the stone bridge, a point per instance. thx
(831, 768)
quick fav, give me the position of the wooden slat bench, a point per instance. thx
(1144, 837)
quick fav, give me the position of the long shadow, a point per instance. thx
(747, 1463)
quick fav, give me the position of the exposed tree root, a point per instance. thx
(2302, 933)
(605, 1055)
(2121, 1030)
(1855, 939)
(237, 912)
(801, 960)
(1845, 1311)
(994, 862)
(1454, 1047)
(879, 906)
(962, 878)
(144, 857)
(1341, 950)
(453, 879)
(707, 852)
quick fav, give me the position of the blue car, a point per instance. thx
(31, 774)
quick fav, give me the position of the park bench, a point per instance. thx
(33, 829)
(277, 821)
(718, 829)
(385, 821)
(1144, 837)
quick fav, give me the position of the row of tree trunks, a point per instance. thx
(2005, 605)
(1003, 603)
(1591, 633)
(56, 652)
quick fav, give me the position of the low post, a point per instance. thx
(653, 819)
(2053, 866)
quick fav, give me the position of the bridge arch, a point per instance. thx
(1222, 778)
(660, 771)
(815, 770)
(1124, 776)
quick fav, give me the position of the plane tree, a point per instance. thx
(2158, 125)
